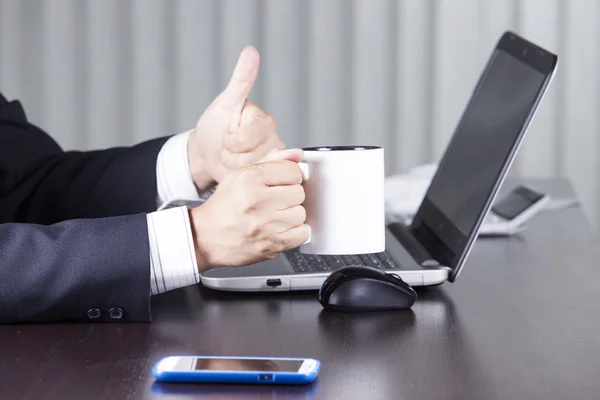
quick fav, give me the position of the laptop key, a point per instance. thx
(371, 260)
(388, 262)
(317, 263)
(297, 260)
(334, 262)
(352, 260)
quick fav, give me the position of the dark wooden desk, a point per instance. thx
(522, 322)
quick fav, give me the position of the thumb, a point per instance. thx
(242, 79)
(295, 155)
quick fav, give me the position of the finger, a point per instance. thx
(291, 217)
(258, 154)
(248, 137)
(251, 113)
(242, 79)
(294, 237)
(240, 160)
(275, 173)
(278, 154)
(287, 219)
(286, 196)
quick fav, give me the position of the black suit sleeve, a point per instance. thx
(41, 183)
(73, 233)
(76, 270)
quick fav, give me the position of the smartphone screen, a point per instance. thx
(236, 364)
(516, 202)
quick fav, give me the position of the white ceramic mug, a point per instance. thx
(344, 203)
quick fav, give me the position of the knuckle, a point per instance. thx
(301, 195)
(270, 256)
(268, 246)
(246, 159)
(251, 174)
(270, 121)
(252, 108)
(238, 161)
(300, 236)
(295, 172)
(253, 229)
(237, 142)
(260, 171)
(290, 244)
(254, 115)
(227, 159)
(293, 195)
(301, 215)
(270, 171)
(247, 192)
(249, 105)
(252, 201)
(234, 160)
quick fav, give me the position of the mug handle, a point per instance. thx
(304, 167)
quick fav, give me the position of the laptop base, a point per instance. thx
(256, 280)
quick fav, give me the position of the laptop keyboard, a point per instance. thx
(317, 263)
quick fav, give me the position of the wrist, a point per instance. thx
(199, 247)
(197, 165)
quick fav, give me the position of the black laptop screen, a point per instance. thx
(486, 138)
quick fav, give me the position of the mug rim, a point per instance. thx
(341, 148)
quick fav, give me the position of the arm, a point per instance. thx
(53, 272)
(40, 183)
(73, 270)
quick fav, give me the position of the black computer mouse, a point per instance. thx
(361, 288)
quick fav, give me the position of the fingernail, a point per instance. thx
(309, 233)
(278, 154)
(293, 151)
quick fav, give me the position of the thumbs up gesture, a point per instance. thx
(233, 132)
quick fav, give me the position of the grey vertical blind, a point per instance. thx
(396, 73)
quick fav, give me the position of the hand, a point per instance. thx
(254, 214)
(217, 144)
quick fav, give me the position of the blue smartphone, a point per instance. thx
(216, 369)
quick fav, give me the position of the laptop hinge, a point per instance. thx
(424, 235)
(417, 251)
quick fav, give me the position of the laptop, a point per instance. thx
(434, 247)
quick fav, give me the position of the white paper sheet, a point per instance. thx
(404, 193)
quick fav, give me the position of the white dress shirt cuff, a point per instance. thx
(172, 256)
(173, 176)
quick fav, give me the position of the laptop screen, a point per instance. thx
(482, 147)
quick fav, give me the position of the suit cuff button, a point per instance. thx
(115, 313)
(94, 313)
